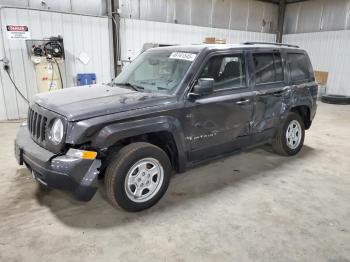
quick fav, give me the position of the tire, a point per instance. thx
(280, 142)
(336, 99)
(120, 181)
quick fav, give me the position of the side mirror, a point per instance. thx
(204, 86)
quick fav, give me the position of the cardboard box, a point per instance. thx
(213, 40)
(209, 40)
(321, 77)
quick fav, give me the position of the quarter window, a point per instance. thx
(227, 71)
(299, 66)
(268, 68)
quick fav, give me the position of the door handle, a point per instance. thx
(278, 93)
(243, 102)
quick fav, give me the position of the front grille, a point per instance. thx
(37, 125)
(39, 122)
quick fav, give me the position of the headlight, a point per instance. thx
(56, 132)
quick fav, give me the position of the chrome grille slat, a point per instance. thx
(30, 120)
(38, 125)
(28, 117)
(43, 128)
(34, 123)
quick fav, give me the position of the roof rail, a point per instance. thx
(270, 43)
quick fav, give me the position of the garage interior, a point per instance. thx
(252, 206)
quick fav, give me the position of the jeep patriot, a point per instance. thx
(170, 109)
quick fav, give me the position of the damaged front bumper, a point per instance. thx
(72, 174)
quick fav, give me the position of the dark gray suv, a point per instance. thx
(170, 109)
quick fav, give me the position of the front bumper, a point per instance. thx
(313, 112)
(75, 175)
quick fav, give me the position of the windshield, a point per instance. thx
(156, 70)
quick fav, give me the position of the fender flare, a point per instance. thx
(111, 134)
(294, 102)
(307, 101)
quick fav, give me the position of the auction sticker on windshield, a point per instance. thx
(182, 56)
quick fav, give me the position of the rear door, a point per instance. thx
(302, 80)
(269, 81)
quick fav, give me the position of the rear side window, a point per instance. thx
(227, 71)
(299, 66)
(268, 68)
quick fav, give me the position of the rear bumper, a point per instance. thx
(74, 175)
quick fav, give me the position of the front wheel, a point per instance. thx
(289, 139)
(138, 176)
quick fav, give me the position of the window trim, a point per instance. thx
(241, 52)
(227, 54)
(290, 70)
(272, 52)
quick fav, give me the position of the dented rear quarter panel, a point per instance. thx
(274, 101)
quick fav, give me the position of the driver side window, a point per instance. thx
(227, 71)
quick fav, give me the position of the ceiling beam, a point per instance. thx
(278, 1)
(280, 21)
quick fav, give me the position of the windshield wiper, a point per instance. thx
(162, 88)
(133, 86)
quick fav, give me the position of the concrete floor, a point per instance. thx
(248, 207)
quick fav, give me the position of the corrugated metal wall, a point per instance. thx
(134, 33)
(317, 15)
(91, 7)
(246, 15)
(322, 28)
(329, 51)
(81, 33)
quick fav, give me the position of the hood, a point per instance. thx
(78, 103)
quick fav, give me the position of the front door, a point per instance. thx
(217, 122)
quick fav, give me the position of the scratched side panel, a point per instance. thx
(216, 123)
(268, 109)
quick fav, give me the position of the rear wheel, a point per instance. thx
(138, 176)
(289, 138)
